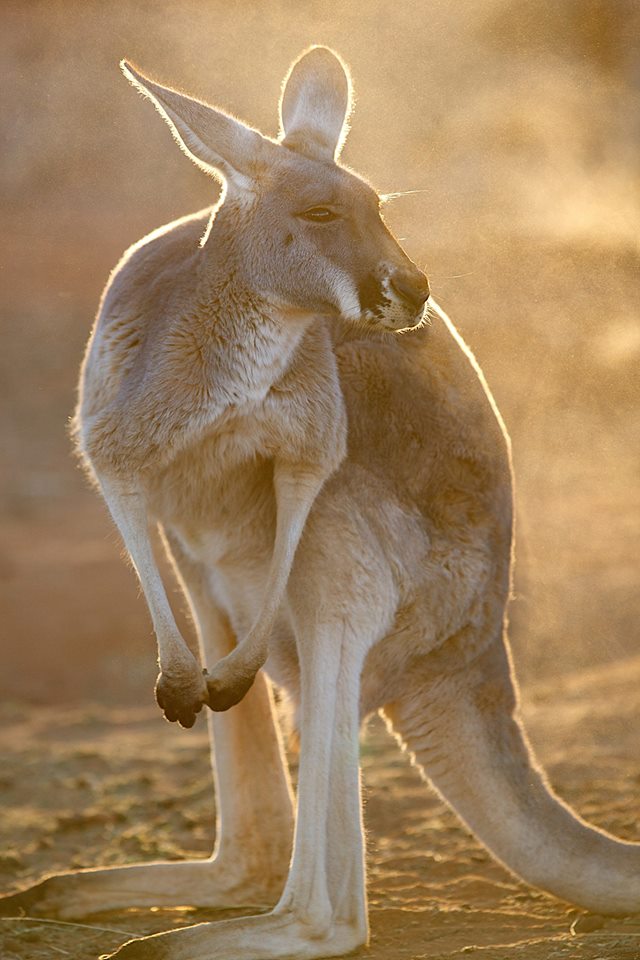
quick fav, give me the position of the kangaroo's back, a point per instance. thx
(153, 281)
(421, 416)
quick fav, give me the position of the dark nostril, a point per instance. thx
(415, 290)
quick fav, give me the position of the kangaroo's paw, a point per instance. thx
(181, 696)
(196, 883)
(273, 936)
(228, 683)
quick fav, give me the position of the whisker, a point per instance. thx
(386, 197)
(66, 923)
(453, 276)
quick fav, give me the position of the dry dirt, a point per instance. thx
(84, 786)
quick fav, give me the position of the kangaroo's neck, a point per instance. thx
(240, 343)
(252, 345)
(244, 339)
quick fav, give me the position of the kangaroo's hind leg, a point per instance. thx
(253, 800)
(339, 610)
(463, 730)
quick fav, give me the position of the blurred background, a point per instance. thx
(515, 127)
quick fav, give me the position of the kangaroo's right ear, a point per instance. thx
(216, 142)
(315, 104)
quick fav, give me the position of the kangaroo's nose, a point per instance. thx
(414, 288)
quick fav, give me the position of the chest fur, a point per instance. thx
(217, 494)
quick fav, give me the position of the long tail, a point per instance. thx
(462, 731)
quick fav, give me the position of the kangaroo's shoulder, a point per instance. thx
(161, 261)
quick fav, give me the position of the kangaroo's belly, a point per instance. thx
(219, 503)
(222, 507)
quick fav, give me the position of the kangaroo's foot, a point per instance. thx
(200, 883)
(273, 935)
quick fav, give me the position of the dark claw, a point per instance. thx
(187, 720)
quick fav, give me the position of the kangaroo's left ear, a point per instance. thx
(214, 140)
(315, 104)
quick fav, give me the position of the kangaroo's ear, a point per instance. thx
(216, 142)
(315, 104)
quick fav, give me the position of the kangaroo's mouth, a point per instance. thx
(396, 318)
(393, 307)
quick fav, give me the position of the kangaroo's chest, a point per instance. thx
(217, 495)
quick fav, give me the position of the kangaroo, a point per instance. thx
(271, 383)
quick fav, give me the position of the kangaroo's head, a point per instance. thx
(309, 232)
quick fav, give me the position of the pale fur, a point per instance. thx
(337, 500)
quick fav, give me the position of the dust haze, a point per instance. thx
(514, 129)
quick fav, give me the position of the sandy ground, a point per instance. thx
(89, 785)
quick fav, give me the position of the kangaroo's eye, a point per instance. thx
(319, 215)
